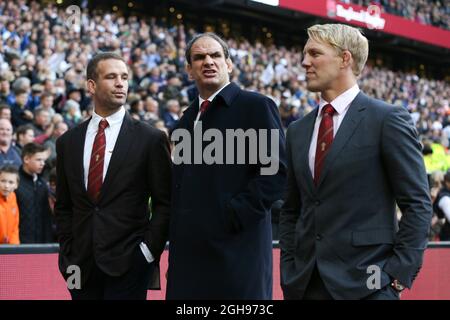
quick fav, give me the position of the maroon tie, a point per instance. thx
(95, 178)
(324, 140)
(204, 106)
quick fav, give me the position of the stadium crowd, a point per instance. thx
(42, 85)
(432, 12)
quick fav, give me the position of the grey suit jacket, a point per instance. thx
(347, 223)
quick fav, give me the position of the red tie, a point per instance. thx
(324, 140)
(204, 106)
(95, 178)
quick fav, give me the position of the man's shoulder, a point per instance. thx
(252, 95)
(144, 129)
(374, 103)
(300, 123)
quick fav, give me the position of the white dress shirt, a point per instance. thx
(210, 98)
(341, 104)
(444, 205)
(111, 134)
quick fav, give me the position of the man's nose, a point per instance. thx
(305, 61)
(119, 82)
(208, 60)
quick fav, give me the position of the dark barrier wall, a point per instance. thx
(31, 272)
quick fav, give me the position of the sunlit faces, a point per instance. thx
(8, 183)
(322, 64)
(208, 68)
(110, 88)
(35, 163)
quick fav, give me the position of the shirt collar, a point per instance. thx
(342, 101)
(211, 98)
(113, 119)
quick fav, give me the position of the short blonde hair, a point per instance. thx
(343, 37)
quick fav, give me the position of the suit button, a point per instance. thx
(97, 209)
(318, 237)
(177, 186)
(317, 203)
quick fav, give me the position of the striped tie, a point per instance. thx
(324, 140)
(95, 178)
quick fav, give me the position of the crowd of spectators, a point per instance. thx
(42, 77)
(432, 12)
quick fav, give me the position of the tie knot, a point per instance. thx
(103, 124)
(205, 105)
(328, 110)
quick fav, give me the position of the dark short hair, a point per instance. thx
(46, 95)
(9, 168)
(4, 106)
(223, 44)
(447, 176)
(91, 70)
(23, 129)
(30, 149)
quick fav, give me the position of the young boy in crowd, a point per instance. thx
(36, 225)
(9, 211)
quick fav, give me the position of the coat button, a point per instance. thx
(317, 203)
(318, 237)
(97, 209)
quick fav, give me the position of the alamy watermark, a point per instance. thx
(260, 146)
(73, 20)
(374, 280)
(74, 280)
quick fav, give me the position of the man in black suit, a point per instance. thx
(108, 168)
(350, 162)
(220, 229)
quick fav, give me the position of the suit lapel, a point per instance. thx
(345, 132)
(123, 143)
(190, 114)
(305, 144)
(78, 151)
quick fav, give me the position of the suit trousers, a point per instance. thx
(130, 286)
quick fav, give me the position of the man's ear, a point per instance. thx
(26, 159)
(229, 65)
(347, 59)
(188, 68)
(91, 86)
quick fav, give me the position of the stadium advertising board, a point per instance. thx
(371, 18)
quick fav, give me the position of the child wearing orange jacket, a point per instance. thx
(9, 211)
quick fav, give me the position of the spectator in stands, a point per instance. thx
(8, 155)
(47, 100)
(59, 129)
(172, 115)
(21, 85)
(32, 197)
(72, 113)
(441, 207)
(137, 109)
(41, 122)
(9, 211)
(20, 113)
(5, 92)
(151, 108)
(5, 112)
(25, 135)
(351, 152)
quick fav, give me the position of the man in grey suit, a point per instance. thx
(350, 161)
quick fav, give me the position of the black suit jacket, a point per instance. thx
(107, 232)
(215, 252)
(348, 222)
